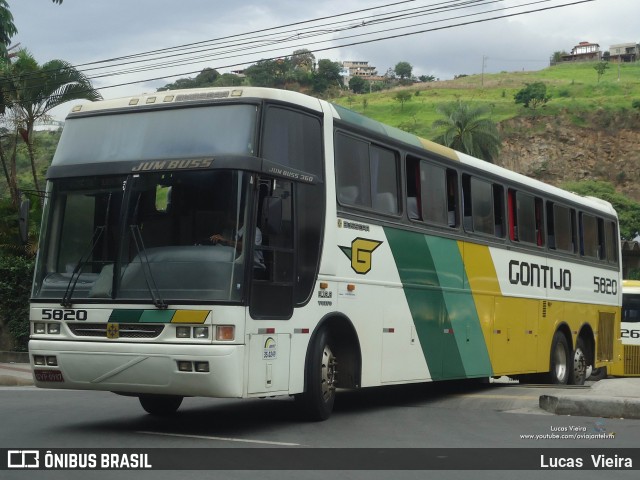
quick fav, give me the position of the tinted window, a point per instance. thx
(589, 236)
(294, 139)
(367, 175)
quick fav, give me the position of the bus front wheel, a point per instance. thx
(559, 361)
(319, 395)
(160, 405)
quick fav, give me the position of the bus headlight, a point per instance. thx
(39, 327)
(183, 332)
(53, 328)
(200, 332)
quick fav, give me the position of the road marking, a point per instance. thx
(224, 439)
(496, 396)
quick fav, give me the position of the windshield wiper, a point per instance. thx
(146, 269)
(71, 286)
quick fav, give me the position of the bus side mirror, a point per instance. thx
(23, 220)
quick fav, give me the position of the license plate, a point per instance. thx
(48, 375)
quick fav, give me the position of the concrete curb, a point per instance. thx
(11, 381)
(591, 406)
(14, 357)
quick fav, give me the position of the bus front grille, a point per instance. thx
(134, 330)
(632, 359)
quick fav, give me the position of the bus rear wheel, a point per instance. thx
(160, 405)
(578, 373)
(319, 396)
(559, 361)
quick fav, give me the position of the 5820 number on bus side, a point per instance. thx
(605, 285)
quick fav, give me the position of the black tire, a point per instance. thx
(578, 369)
(320, 389)
(559, 360)
(160, 405)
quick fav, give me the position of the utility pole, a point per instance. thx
(484, 62)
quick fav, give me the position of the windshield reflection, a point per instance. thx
(145, 237)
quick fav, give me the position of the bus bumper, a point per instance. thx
(139, 368)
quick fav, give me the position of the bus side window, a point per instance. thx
(612, 242)
(433, 193)
(526, 218)
(479, 205)
(588, 236)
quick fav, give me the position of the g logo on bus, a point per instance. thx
(113, 331)
(360, 254)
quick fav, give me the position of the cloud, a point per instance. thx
(87, 31)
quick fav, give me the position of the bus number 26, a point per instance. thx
(630, 333)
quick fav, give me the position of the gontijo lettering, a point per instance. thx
(534, 275)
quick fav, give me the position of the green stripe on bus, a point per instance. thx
(141, 316)
(157, 316)
(460, 305)
(125, 316)
(432, 273)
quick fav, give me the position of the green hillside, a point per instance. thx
(574, 89)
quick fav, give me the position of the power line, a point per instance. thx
(387, 37)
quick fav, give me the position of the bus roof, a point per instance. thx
(222, 93)
(631, 286)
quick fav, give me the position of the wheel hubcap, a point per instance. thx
(560, 361)
(328, 373)
(579, 366)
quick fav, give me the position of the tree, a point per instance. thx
(207, 77)
(7, 28)
(600, 68)
(32, 90)
(556, 57)
(403, 96)
(358, 84)
(427, 78)
(327, 74)
(403, 70)
(465, 128)
(303, 59)
(269, 73)
(533, 95)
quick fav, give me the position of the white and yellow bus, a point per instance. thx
(628, 363)
(374, 257)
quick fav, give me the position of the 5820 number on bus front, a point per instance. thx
(60, 314)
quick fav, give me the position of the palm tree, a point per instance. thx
(7, 28)
(32, 90)
(465, 129)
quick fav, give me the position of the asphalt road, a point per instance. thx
(420, 416)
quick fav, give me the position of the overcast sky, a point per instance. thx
(84, 31)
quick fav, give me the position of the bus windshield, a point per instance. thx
(169, 236)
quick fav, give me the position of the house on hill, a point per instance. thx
(624, 52)
(360, 69)
(584, 51)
